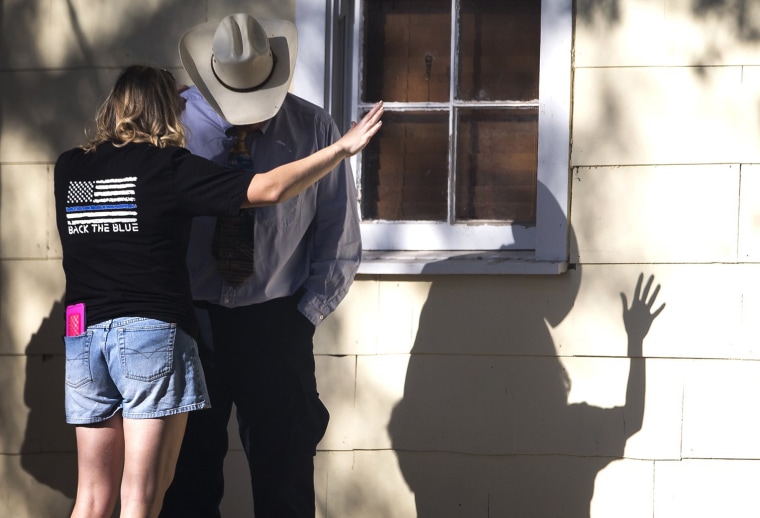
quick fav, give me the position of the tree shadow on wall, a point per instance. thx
(484, 427)
(47, 434)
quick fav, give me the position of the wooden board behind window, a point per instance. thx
(409, 164)
(406, 170)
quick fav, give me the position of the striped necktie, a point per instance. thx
(232, 246)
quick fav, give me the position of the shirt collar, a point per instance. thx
(229, 129)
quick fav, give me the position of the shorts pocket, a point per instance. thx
(78, 359)
(147, 349)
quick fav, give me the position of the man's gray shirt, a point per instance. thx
(312, 241)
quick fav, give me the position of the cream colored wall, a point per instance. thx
(58, 58)
(464, 375)
(493, 391)
(666, 142)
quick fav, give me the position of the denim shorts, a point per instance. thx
(145, 368)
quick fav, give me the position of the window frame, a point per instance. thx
(437, 247)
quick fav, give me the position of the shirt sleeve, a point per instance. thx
(207, 189)
(206, 129)
(336, 250)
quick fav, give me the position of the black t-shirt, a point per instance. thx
(124, 214)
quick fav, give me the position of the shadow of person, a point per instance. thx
(47, 434)
(484, 427)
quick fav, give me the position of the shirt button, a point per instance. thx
(226, 300)
(321, 317)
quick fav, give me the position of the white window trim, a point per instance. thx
(401, 248)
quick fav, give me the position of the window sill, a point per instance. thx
(488, 262)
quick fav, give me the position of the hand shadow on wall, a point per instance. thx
(47, 434)
(484, 427)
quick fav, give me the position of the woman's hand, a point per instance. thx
(639, 317)
(361, 132)
(288, 180)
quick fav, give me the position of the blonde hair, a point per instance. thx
(143, 106)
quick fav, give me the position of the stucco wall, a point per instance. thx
(463, 395)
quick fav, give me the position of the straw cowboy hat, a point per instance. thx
(242, 66)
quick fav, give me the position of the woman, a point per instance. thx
(124, 203)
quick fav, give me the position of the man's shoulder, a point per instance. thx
(297, 112)
(192, 94)
(299, 105)
(199, 113)
(294, 102)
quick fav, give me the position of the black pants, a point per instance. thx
(260, 358)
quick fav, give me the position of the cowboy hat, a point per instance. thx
(242, 65)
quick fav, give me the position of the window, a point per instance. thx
(472, 160)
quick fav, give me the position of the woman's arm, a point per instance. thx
(289, 180)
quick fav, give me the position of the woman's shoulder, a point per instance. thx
(85, 152)
(148, 153)
(71, 153)
(129, 153)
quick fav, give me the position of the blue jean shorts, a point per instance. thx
(142, 367)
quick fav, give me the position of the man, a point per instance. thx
(305, 254)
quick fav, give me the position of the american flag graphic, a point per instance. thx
(102, 201)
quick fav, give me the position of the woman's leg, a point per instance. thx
(151, 451)
(100, 456)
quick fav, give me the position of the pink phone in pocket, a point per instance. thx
(75, 319)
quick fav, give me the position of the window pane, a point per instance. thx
(496, 165)
(406, 168)
(499, 50)
(407, 50)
